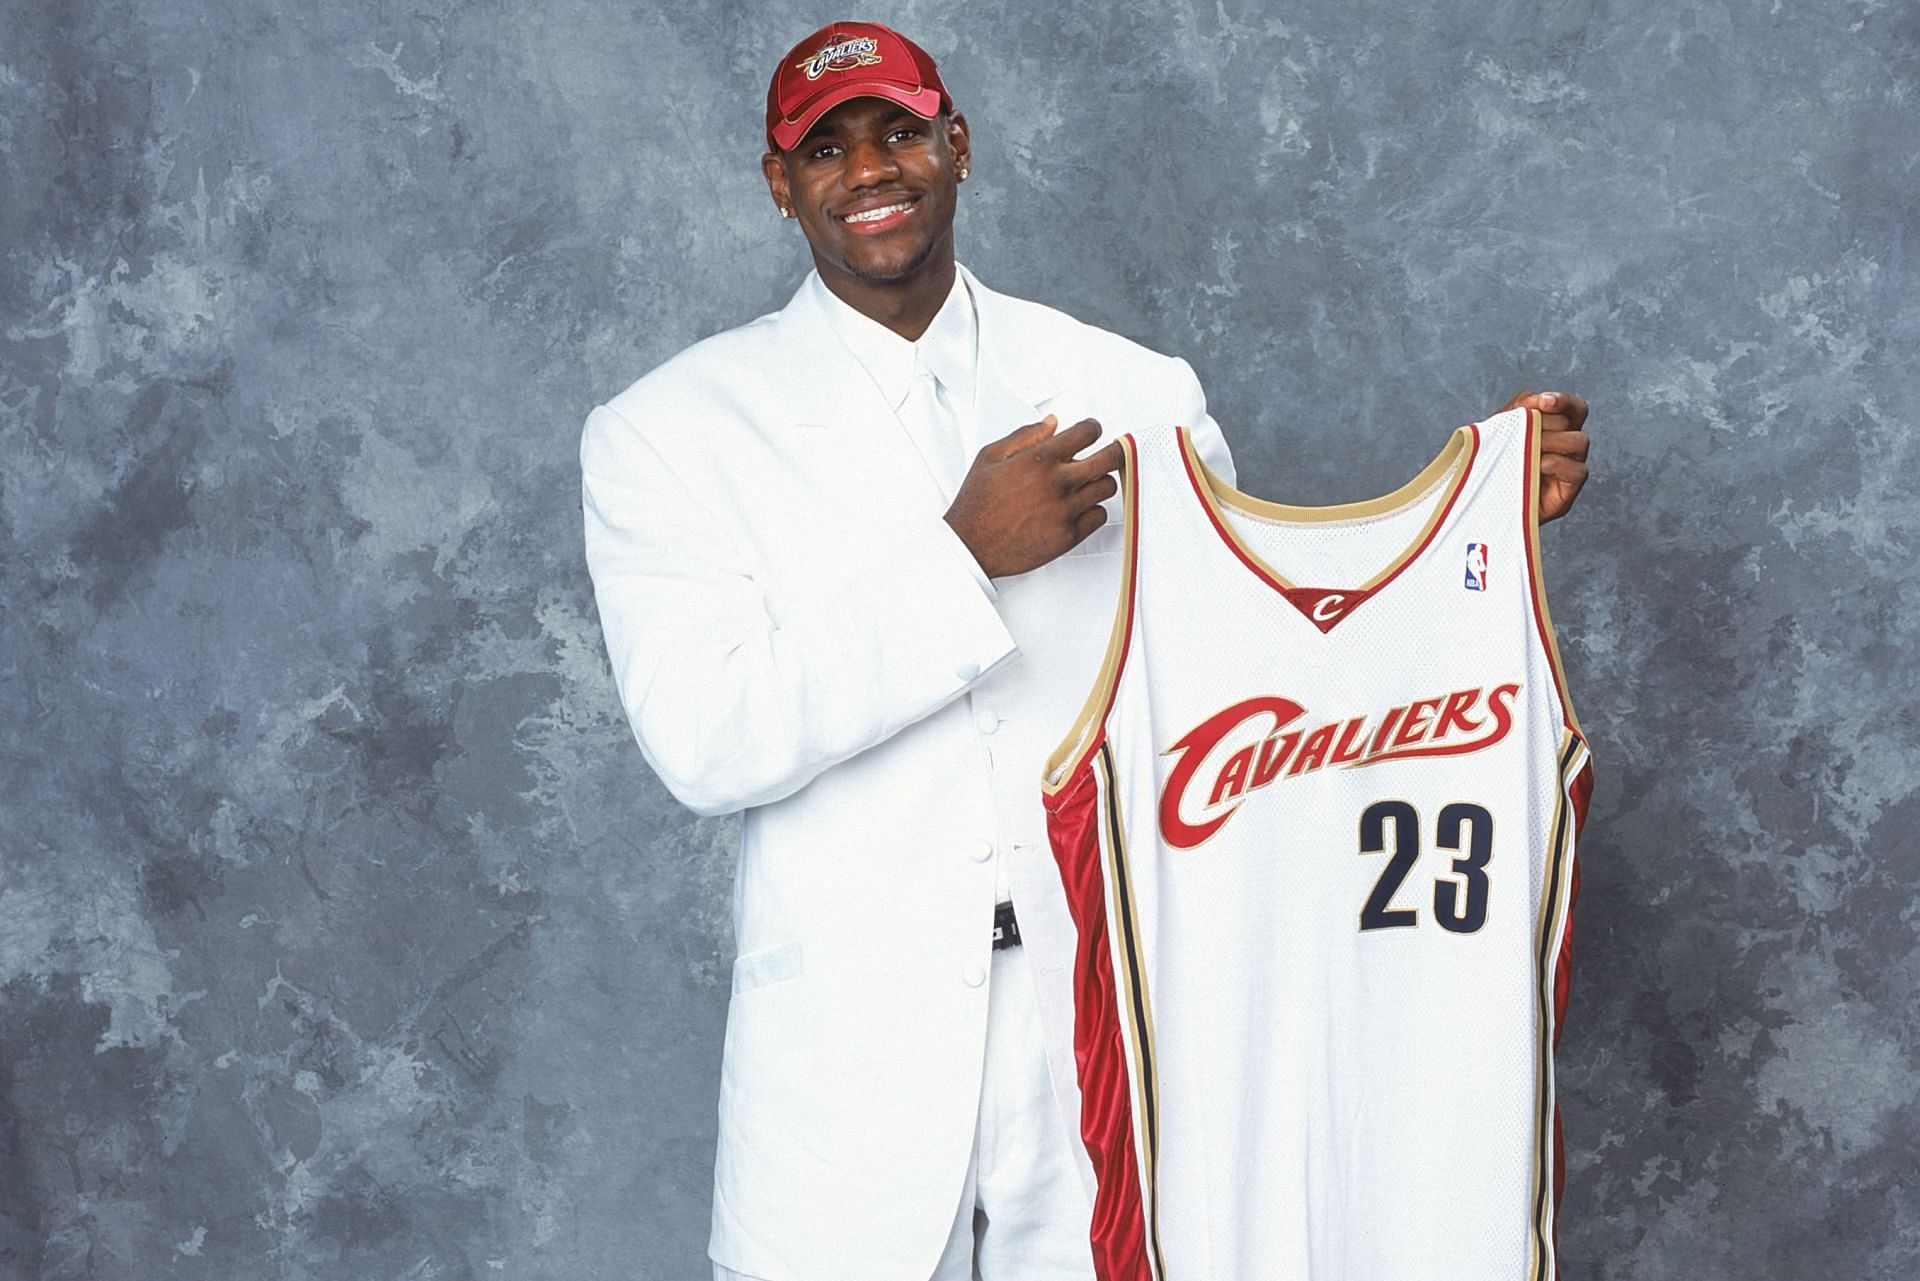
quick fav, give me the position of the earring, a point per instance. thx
(785, 212)
(963, 173)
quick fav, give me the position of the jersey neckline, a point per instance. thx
(1325, 606)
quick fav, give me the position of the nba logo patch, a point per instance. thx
(1476, 567)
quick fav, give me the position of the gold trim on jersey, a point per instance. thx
(1531, 527)
(1457, 452)
(1137, 1008)
(1556, 886)
(1093, 712)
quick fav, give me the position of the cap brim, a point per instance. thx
(925, 103)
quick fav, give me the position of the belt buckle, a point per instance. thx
(1006, 930)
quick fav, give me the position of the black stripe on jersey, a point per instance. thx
(1137, 997)
(1543, 1269)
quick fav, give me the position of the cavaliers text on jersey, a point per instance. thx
(1316, 825)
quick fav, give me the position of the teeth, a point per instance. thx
(874, 215)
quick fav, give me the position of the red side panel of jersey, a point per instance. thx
(1119, 1233)
(1580, 793)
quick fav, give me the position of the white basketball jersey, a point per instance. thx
(1316, 825)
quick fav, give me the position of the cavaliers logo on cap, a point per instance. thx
(844, 56)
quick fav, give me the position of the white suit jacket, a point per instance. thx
(797, 633)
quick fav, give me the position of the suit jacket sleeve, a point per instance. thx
(1190, 409)
(730, 707)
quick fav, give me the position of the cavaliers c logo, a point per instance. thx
(1197, 746)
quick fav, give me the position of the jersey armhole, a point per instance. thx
(1064, 761)
(1543, 620)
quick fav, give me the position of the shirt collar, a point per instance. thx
(948, 347)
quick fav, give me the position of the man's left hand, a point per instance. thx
(1563, 447)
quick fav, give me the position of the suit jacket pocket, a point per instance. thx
(766, 967)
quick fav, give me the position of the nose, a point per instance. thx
(870, 161)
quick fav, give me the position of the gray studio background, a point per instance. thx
(344, 932)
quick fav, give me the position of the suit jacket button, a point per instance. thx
(966, 671)
(975, 975)
(981, 852)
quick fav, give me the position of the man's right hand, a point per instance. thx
(1027, 499)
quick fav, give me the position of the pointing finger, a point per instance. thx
(1071, 441)
(1021, 437)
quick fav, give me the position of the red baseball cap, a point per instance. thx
(845, 60)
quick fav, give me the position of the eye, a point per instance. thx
(821, 152)
(904, 131)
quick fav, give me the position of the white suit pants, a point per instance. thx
(1023, 1213)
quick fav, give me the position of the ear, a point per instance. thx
(776, 175)
(958, 140)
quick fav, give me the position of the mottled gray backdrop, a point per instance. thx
(344, 932)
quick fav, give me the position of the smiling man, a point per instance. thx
(855, 582)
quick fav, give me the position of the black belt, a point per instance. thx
(1006, 930)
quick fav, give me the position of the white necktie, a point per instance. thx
(929, 417)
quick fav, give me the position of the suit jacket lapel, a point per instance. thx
(1015, 383)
